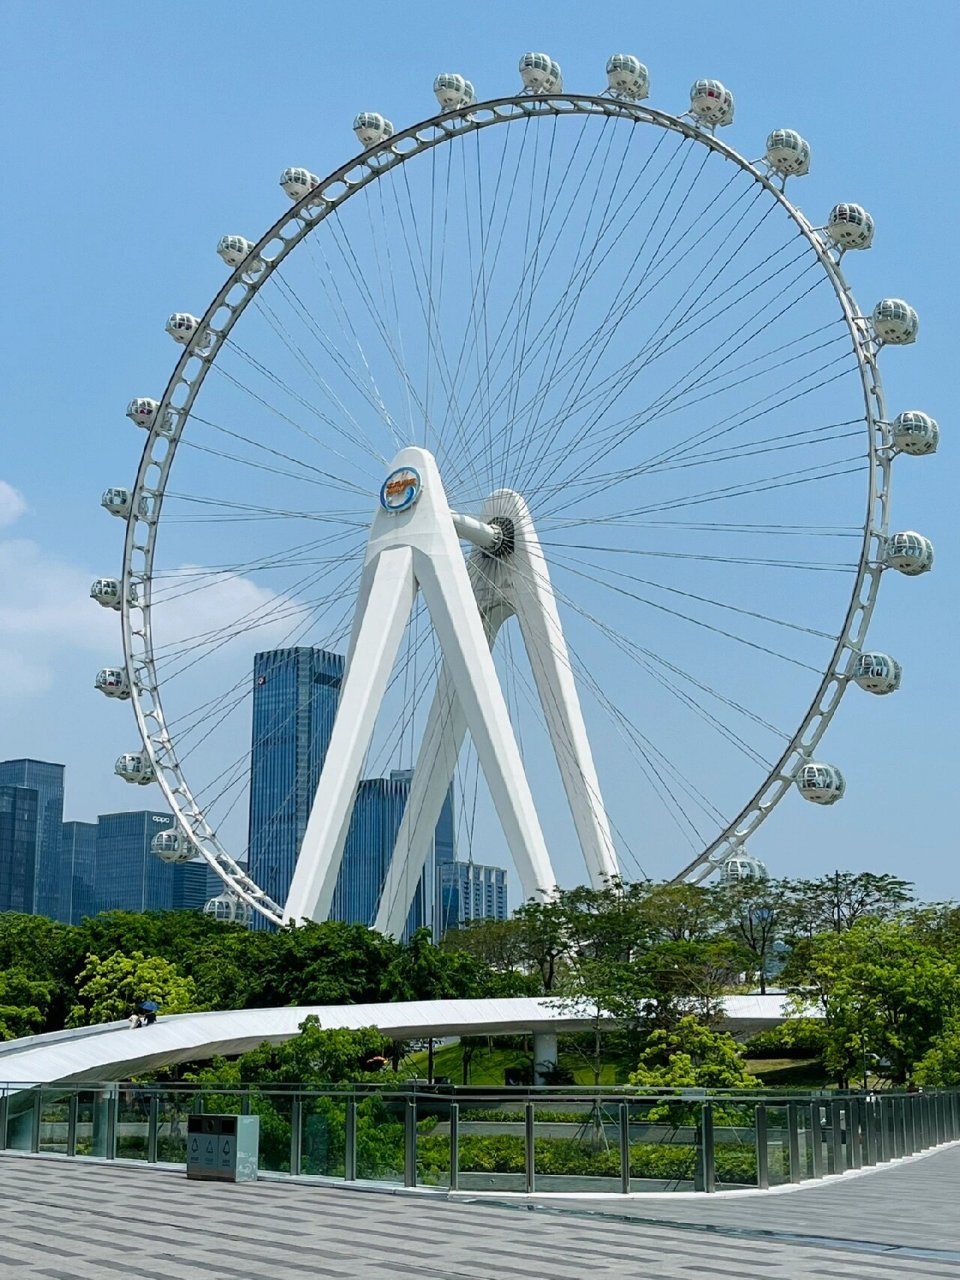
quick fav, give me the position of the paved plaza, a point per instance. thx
(67, 1220)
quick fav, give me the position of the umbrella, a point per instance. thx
(150, 1006)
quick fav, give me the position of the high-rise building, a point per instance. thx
(130, 877)
(19, 844)
(295, 696)
(78, 861)
(467, 891)
(377, 814)
(295, 693)
(47, 780)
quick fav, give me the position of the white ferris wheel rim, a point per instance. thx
(240, 288)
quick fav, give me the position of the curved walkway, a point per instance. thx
(67, 1220)
(115, 1052)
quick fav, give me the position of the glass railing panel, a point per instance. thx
(778, 1145)
(323, 1120)
(663, 1140)
(433, 1140)
(133, 1122)
(93, 1122)
(20, 1107)
(276, 1123)
(54, 1121)
(577, 1144)
(380, 1134)
(173, 1108)
(492, 1145)
(734, 1144)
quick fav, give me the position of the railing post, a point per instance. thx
(836, 1133)
(4, 1097)
(900, 1124)
(111, 1125)
(816, 1139)
(72, 1104)
(625, 1148)
(529, 1148)
(350, 1141)
(707, 1147)
(152, 1118)
(410, 1143)
(913, 1123)
(793, 1139)
(35, 1121)
(763, 1154)
(296, 1120)
(870, 1131)
(854, 1155)
(454, 1145)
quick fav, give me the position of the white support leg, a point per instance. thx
(387, 594)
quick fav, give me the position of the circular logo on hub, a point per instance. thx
(400, 490)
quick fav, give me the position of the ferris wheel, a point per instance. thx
(558, 417)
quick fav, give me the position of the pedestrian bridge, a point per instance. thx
(115, 1051)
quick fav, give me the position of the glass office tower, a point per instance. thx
(19, 844)
(130, 877)
(295, 695)
(47, 780)
(78, 861)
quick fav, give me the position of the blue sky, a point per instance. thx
(137, 135)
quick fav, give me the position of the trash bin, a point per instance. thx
(223, 1148)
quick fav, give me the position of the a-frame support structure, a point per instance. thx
(414, 545)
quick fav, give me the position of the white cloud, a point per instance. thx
(12, 503)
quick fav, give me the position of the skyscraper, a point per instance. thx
(467, 891)
(19, 842)
(47, 780)
(130, 877)
(295, 693)
(295, 697)
(78, 861)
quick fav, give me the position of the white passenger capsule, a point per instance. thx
(371, 127)
(172, 846)
(821, 783)
(627, 77)
(876, 672)
(711, 103)
(298, 182)
(135, 767)
(116, 501)
(112, 681)
(540, 74)
(453, 91)
(739, 865)
(234, 250)
(910, 553)
(915, 432)
(106, 592)
(787, 153)
(142, 410)
(850, 226)
(895, 322)
(183, 327)
(229, 909)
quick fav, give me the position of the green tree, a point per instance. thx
(691, 1055)
(754, 913)
(939, 1068)
(422, 971)
(24, 1003)
(110, 989)
(837, 902)
(680, 912)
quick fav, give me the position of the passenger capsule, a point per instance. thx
(371, 127)
(627, 77)
(850, 226)
(540, 74)
(143, 411)
(453, 91)
(915, 432)
(112, 681)
(183, 327)
(234, 250)
(787, 153)
(106, 592)
(229, 908)
(910, 553)
(895, 322)
(135, 767)
(876, 672)
(172, 846)
(739, 865)
(821, 783)
(117, 502)
(711, 103)
(298, 183)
